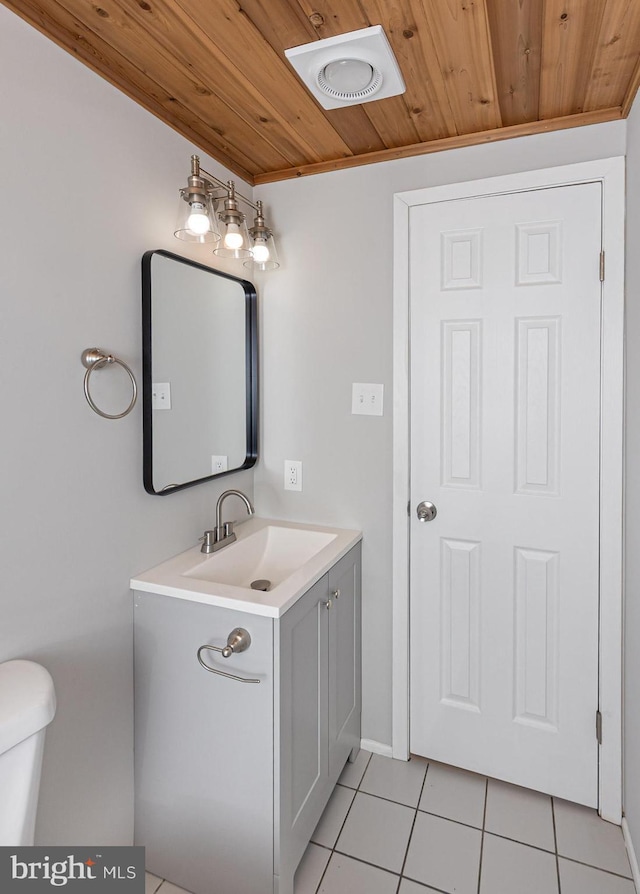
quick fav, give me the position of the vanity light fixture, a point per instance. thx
(209, 211)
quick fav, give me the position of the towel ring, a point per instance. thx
(95, 358)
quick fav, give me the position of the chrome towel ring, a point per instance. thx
(95, 358)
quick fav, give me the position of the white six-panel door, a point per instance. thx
(505, 309)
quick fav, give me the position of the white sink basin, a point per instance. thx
(290, 555)
(272, 554)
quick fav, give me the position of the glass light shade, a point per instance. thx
(264, 254)
(234, 242)
(348, 75)
(196, 222)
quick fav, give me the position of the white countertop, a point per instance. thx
(171, 577)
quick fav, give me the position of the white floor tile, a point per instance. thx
(309, 872)
(353, 773)
(584, 837)
(454, 794)
(520, 814)
(328, 829)
(578, 879)
(151, 883)
(347, 876)
(399, 781)
(444, 854)
(509, 867)
(377, 831)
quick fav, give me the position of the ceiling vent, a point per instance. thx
(348, 69)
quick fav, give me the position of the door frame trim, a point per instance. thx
(610, 172)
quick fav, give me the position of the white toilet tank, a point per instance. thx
(27, 706)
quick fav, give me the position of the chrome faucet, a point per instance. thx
(223, 534)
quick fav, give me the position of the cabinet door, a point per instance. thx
(344, 660)
(303, 652)
(203, 748)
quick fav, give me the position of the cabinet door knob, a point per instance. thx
(328, 604)
(336, 594)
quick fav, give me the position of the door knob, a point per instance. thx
(426, 511)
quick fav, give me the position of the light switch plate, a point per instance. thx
(161, 396)
(367, 399)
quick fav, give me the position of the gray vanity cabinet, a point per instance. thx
(344, 663)
(319, 648)
(232, 778)
(204, 795)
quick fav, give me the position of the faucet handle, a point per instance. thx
(208, 539)
(228, 528)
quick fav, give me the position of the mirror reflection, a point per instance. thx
(199, 373)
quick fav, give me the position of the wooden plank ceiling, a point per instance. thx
(475, 71)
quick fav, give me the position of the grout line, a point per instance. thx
(631, 854)
(390, 800)
(599, 868)
(448, 819)
(420, 809)
(555, 841)
(367, 863)
(425, 886)
(415, 817)
(364, 772)
(534, 847)
(333, 849)
(353, 800)
(410, 806)
(484, 821)
(324, 871)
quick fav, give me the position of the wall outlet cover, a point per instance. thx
(219, 464)
(292, 474)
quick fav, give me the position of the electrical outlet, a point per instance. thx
(219, 464)
(161, 396)
(292, 474)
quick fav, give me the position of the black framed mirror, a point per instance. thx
(199, 373)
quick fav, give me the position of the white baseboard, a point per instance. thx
(376, 747)
(633, 860)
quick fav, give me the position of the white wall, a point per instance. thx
(327, 322)
(88, 182)
(632, 496)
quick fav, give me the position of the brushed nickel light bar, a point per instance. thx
(209, 212)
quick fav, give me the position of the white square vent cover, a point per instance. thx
(348, 69)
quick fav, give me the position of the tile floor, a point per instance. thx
(418, 827)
